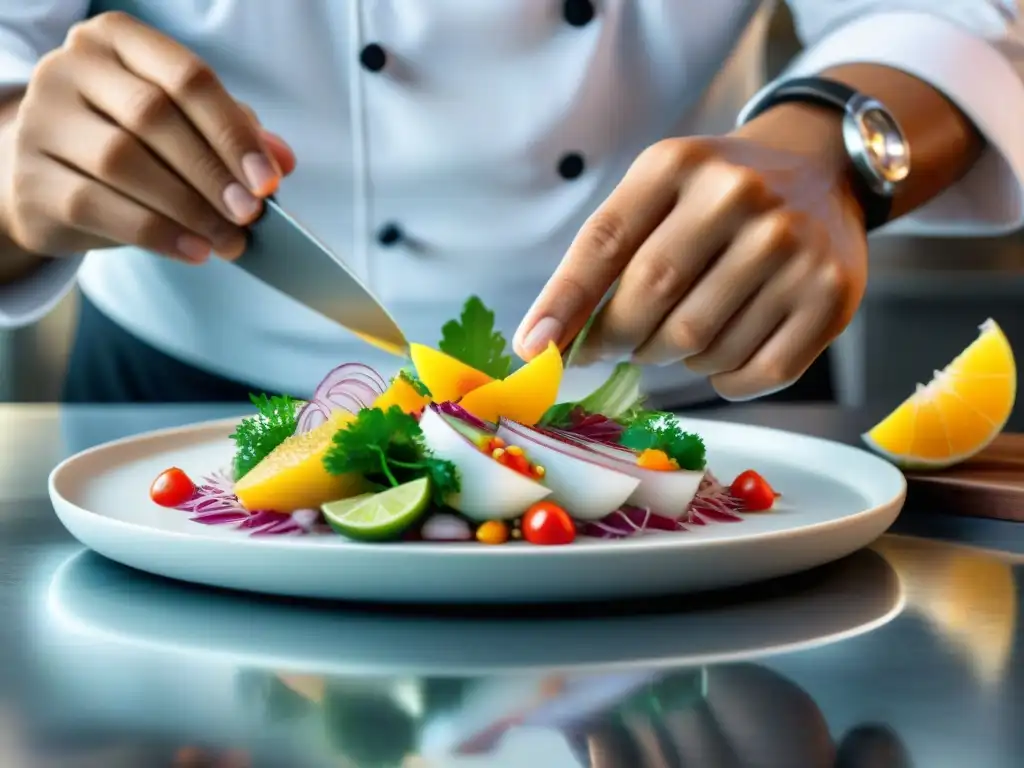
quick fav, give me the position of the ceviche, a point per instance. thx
(460, 447)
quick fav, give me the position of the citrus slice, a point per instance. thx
(379, 516)
(958, 413)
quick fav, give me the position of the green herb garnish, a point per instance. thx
(618, 399)
(258, 435)
(387, 448)
(410, 376)
(472, 340)
(658, 431)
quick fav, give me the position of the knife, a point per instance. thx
(286, 256)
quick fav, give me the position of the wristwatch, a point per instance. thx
(875, 143)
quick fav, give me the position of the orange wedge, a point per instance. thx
(957, 413)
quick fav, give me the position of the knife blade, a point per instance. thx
(286, 256)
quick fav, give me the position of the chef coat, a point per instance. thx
(454, 147)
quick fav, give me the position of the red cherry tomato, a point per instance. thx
(753, 491)
(172, 488)
(547, 523)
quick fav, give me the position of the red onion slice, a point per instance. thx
(350, 387)
(456, 411)
(214, 503)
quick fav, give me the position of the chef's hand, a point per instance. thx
(743, 256)
(126, 137)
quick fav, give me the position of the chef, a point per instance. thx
(546, 155)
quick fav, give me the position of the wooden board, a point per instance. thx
(989, 485)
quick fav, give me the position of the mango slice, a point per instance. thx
(445, 377)
(293, 476)
(403, 394)
(524, 396)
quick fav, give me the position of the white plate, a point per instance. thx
(835, 500)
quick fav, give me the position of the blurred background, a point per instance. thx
(925, 299)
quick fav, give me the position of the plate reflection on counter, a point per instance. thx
(356, 682)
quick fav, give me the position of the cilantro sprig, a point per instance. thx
(410, 376)
(658, 431)
(473, 340)
(256, 436)
(387, 448)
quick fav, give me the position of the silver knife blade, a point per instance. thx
(285, 255)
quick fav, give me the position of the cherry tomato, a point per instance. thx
(547, 523)
(753, 491)
(172, 488)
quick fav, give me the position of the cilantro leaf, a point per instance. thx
(444, 478)
(659, 431)
(387, 448)
(472, 340)
(256, 436)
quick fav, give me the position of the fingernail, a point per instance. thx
(259, 173)
(546, 330)
(193, 248)
(243, 206)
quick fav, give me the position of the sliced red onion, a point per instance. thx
(594, 426)
(445, 527)
(630, 521)
(609, 449)
(349, 387)
(456, 411)
(712, 504)
(214, 503)
(220, 518)
(715, 516)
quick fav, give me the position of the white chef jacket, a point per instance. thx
(492, 131)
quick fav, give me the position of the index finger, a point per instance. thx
(598, 254)
(198, 93)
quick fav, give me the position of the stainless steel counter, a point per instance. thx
(912, 648)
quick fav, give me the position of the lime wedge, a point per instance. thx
(379, 516)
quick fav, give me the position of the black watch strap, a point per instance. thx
(824, 92)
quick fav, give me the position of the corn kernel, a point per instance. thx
(515, 450)
(492, 532)
(539, 471)
(497, 453)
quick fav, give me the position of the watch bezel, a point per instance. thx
(855, 137)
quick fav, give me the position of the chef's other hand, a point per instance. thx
(739, 255)
(126, 137)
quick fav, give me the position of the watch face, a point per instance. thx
(884, 144)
